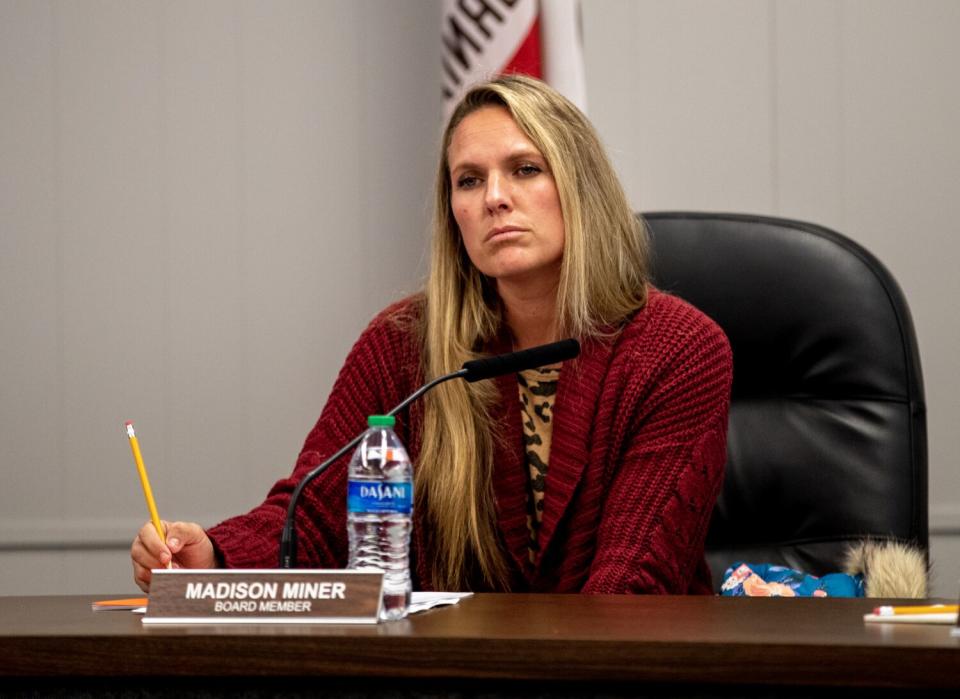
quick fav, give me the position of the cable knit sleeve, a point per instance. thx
(374, 378)
(669, 452)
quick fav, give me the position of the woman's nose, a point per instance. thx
(497, 193)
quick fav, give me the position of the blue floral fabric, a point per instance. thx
(765, 580)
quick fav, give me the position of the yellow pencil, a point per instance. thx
(917, 609)
(145, 482)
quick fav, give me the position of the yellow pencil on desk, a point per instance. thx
(917, 609)
(914, 614)
(145, 482)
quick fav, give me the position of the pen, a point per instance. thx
(917, 609)
(145, 482)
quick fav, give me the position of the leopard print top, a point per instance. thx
(538, 388)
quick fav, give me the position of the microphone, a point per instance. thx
(513, 362)
(475, 370)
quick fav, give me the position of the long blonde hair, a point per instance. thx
(597, 292)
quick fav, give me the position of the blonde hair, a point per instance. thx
(597, 292)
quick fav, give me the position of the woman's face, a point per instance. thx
(505, 200)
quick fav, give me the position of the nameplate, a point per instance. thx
(182, 596)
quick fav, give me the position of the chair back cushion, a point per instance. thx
(827, 437)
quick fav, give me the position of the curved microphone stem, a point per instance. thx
(426, 387)
(288, 540)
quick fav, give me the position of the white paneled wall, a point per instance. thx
(839, 112)
(201, 204)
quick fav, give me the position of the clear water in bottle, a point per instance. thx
(380, 510)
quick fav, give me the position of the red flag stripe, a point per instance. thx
(527, 59)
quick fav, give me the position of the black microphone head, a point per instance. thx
(513, 362)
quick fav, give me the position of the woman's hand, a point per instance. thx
(187, 545)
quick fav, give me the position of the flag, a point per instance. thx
(485, 38)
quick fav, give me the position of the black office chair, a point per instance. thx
(827, 441)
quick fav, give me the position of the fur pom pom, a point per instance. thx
(889, 568)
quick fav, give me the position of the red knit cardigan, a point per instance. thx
(636, 463)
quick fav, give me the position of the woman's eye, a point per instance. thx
(527, 170)
(466, 182)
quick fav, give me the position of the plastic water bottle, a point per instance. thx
(379, 512)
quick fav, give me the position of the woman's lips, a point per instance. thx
(503, 231)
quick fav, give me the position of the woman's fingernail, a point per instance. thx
(173, 543)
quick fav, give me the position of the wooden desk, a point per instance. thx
(498, 641)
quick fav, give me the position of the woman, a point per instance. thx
(595, 476)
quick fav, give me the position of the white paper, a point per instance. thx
(422, 601)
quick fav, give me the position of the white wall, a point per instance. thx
(201, 204)
(840, 112)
